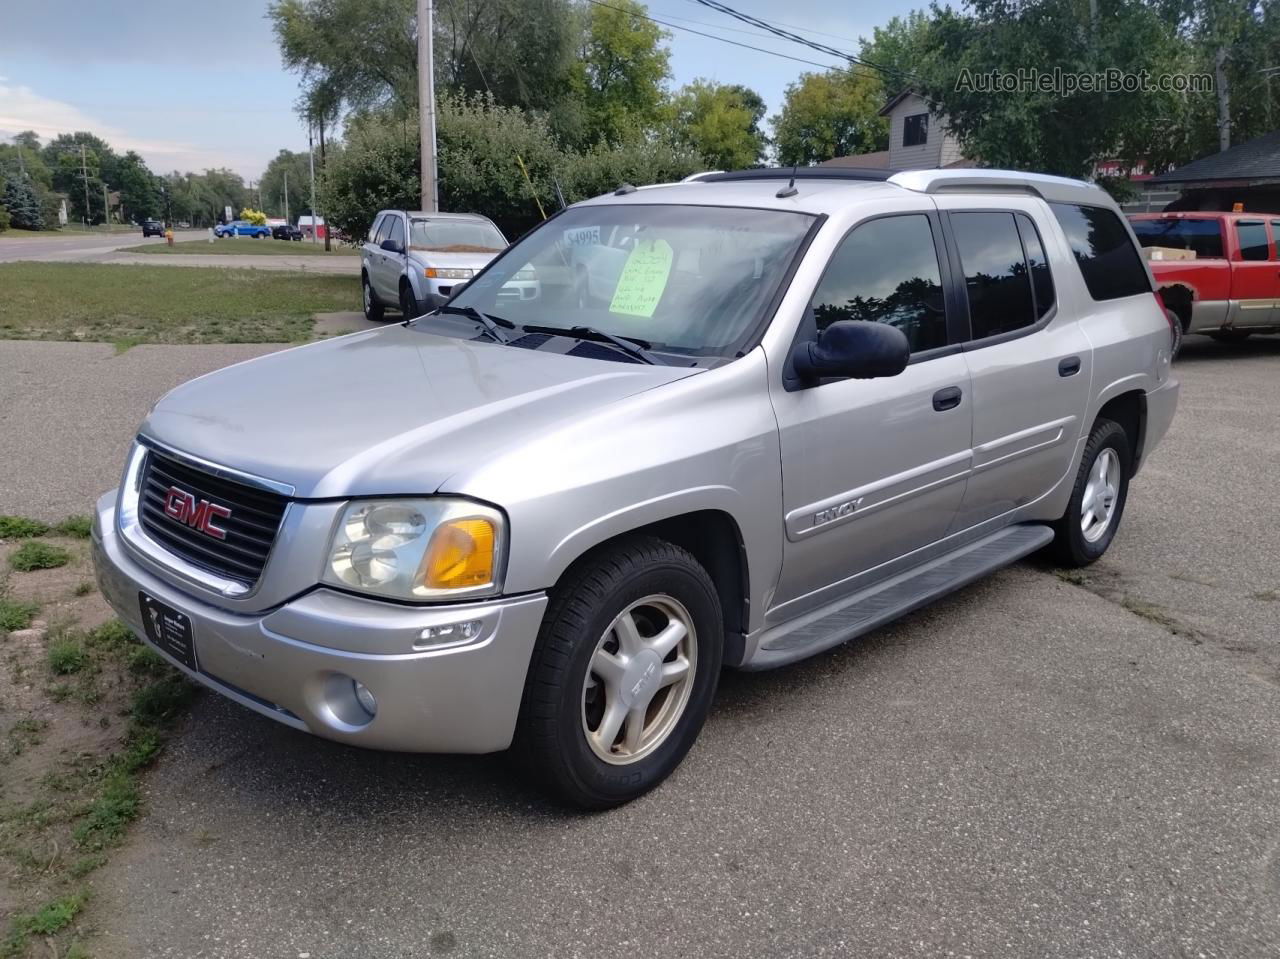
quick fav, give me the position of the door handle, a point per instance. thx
(1069, 366)
(947, 398)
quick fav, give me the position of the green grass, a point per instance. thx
(244, 246)
(67, 655)
(52, 918)
(36, 555)
(15, 615)
(20, 527)
(166, 304)
(77, 526)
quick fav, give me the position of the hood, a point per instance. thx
(440, 259)
(390, 411)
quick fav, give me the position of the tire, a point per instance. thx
(408, 304)
(373, 310)
(1175, 322)
(662, 591)
(1081, 541)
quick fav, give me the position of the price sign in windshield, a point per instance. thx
(582, 236)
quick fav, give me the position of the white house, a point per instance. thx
(918, 138)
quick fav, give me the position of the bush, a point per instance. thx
(256, 217)
(35, 555)
(78, 526)
(15, 615)
(479, 142)
(4, 219)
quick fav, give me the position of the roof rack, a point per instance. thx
(800, 173)
(969, 180)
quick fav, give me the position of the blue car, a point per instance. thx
(241, 228)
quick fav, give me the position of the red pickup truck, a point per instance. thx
(1231, 288)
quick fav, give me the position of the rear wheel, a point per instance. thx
(373, 310)
(623, 673)
(1176, 327)
(1097, 501)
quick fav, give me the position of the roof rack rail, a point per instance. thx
(800, 173)
(969, 180)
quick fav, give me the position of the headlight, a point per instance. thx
(439, 273)
(418, 549)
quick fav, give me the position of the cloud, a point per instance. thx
(21, 108)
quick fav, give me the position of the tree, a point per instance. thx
(1045, 130)
(622, 67)
(68, 168)
(294, 169)
(139, 190)
(23, 204)
(832, 114)
(720, 122)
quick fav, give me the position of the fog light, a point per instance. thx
(448, 634)
(365, 698)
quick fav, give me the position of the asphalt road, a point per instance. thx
(1030, 768)
(76, 247)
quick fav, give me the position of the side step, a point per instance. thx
(896, 596)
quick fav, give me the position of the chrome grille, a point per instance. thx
(250, 529)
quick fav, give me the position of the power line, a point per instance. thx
(796, 38)
(711, 36)
(796, 26)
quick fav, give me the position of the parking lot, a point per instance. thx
(1082, 765)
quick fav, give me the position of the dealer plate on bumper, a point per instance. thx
(169, 630)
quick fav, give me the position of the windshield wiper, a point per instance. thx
(631, 345)
(491, 324)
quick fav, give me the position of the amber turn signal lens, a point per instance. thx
(460, 555)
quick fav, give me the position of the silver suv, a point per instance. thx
(744, 419)
(415, 261)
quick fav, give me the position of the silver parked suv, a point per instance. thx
(744, 419)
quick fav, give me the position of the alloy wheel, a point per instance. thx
(639, 680)
(1101, 493)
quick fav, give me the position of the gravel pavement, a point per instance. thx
(1033, 767)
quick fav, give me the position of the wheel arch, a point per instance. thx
(714, 538)
(1179, 298)
(1129, 409)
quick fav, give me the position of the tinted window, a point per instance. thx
(1253, 239)
(886, 271)
(1204, 237)
(995, 273)
(1108, 260)
(1037, 264)
(396, 230)
(915, 130)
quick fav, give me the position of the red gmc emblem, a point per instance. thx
(183, 507)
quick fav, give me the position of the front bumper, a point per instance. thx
(294, 663)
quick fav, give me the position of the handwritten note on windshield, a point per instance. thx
(643, 280)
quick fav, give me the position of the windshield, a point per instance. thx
(685, 279)
(1203, 237)
(455, 236)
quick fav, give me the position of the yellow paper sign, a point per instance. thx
(643, 280)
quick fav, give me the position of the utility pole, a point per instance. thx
(286, 196)
(311, 159)
(106, 207)
(427, 108)
(84, 175)
(1224, 98)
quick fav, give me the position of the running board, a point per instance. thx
(896, 596)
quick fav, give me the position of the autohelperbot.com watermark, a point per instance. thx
(1064, 83)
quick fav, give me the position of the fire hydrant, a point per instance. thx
(168, 235)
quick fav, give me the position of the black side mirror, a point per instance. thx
(856, 349)
(392, 246)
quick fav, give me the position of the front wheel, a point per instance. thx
(623, 673)
(408, 303)
(1097, 501)
(372, 308)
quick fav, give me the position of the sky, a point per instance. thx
(194, 84)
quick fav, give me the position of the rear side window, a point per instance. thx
(1202, 237)
(396, 230)
(382, 226)
(1037, 265)
(1108, 260)
(1252, 235)
(995, 273)
(886, 271)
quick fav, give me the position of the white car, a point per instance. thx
(414, 262)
